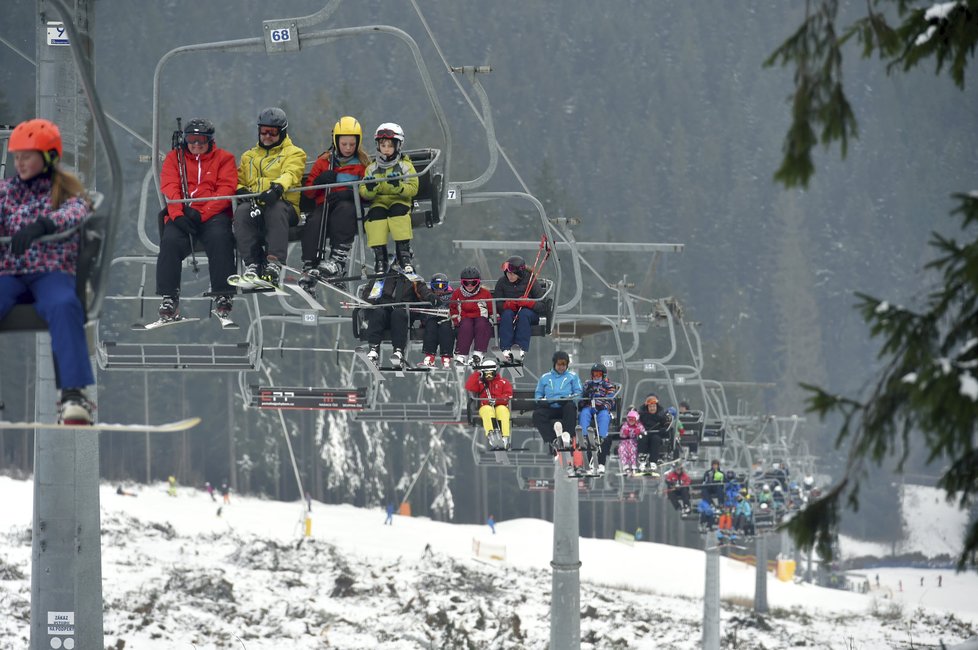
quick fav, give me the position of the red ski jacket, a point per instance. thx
(214, 173)
(676, 478)
(470, 306)
(499, 388)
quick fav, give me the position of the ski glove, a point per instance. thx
(271, 195)
(370, 186)
(328, 177)
(306, 204)
(184, 225)
(192, 214)
(393, 182)
(242, 190)
(433, 299)
(24, 237)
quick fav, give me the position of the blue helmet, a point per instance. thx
(672, 411)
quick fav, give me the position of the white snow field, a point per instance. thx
(177, 575)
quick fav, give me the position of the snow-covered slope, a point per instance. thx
(177, 575)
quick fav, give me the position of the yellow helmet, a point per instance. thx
(346, 126)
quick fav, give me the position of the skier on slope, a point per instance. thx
(345, 160)
(494, 393)
(556, 393)
(597, 405)
(208, 171)
(397, 290)
(268, 169)
(44, 199)
(518, 306)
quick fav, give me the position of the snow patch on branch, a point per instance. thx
(909, 378)
(969, 386)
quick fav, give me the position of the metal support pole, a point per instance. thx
(565, 595)
(66, 553)
(760, 575)
(711, 596)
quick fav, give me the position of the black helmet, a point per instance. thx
(439, 282)
(200, 126)
(599, 367)
(559, 355)
(274, 116)
(471, 278)
(515, 264)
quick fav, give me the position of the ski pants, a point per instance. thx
(628, 452)
(380, 221)
(713, 492)
(269, 230)
(545, 416)
(514, 327)
(679, 496)
(341, 229)
(602, 415)
(438, 334)
(56, 301)
(381, 318)
(478, 329)
(500, 412)
(651, 445)
(218, 240)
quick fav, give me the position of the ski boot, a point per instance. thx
(428, 361)
(476, 360)
(309, 278)
(579, 435)
(600, 469)
(563, 438)
(507, 356)
(380, 259)
(495, 440)
(461, 360)
(397, 359)
(374, 355)
(335, 264)
(405, 256)
(169, 308)
(271, 273)
(74, 407)
(222, 306)
(446, 361)
(507, 442)
(516, 353)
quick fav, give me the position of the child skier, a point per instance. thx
(598, 402)
(438, 329)
(471, 311)
(345, 160)
(390, 197)
(628, 447)
(494, 392)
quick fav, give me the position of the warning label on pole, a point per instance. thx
(61, 623)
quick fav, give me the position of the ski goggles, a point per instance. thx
(515, 269)
(269, 130)
(652, 400)
(196, 139)
(440, 285)
(471, 284)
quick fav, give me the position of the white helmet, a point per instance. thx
(391, 131)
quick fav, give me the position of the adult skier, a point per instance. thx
(517, 303)
(556, 393)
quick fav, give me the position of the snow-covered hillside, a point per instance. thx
(177, 575)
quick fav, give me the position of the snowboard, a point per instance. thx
(168, 427)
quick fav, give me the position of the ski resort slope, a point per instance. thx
(156, 547)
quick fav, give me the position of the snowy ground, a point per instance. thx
(176, 575)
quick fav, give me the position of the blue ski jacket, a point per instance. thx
(558, 385)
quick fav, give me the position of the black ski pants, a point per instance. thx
(215, 234)
(380, 319)
(341, 229)
(679, 495)
(268, 231)
(651, 445)
(545, 416)
(438, 335)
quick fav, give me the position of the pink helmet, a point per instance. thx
(632, 415)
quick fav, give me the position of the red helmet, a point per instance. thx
(37, 135)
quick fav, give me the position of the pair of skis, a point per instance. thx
(169, 427)
(226, 322)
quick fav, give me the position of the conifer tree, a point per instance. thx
(928, 384)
